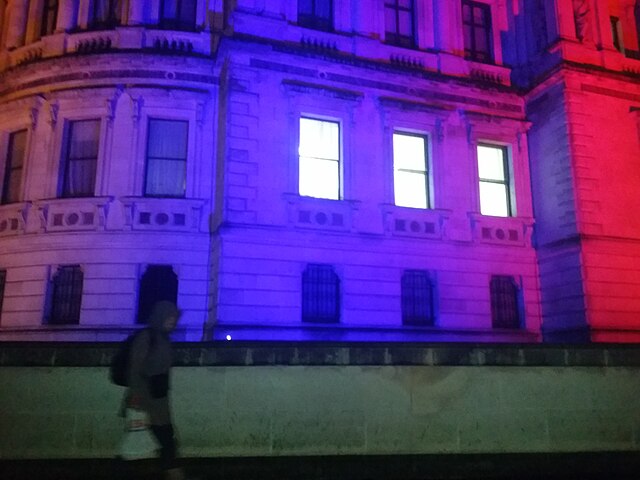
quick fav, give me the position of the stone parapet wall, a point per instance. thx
(286, 399)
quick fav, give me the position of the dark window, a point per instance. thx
(316, 14)
(398, 22)
(14, 166)
(505, 311)
(158, 283)
(81, 159)
(417, 298)
(320, 295)
(476, 19)
(3, 281)
(178, 14)
(49, 17)
(66, 296)
(166, 158)
(104, 13)
(616, 32)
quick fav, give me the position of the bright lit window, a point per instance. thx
(319, 158)
(410, 179)
(495, 198)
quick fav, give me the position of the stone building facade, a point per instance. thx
(319, 170)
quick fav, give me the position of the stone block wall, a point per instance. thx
(288, 399)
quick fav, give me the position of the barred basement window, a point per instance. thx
(158, 283)
(505, 311)
(67, 295)
(417, 298)
(316, 14)
(3, 281)
(320, 294)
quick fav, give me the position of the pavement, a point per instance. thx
(578, 466)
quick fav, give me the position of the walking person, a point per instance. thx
(150, 360)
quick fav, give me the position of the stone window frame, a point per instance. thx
(427, 136)
(64, 154)
(149, 119)
(509, 180)
(397, 38)
(5, 165)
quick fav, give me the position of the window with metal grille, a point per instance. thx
(398, 21)
(105, 13)
(316, 14)
(14, 166)
(66, 297)
(476, 20)
(320, 294)
(3, 281)
(417, 298)
(159, 282)
(167, 147)
(494, 177)
(81, 159)
(410, 164)
(49, 17)
(178, 14)
(319, 159)
(505, 310)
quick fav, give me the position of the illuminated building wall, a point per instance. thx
(315, 169)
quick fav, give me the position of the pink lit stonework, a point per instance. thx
(428, 170)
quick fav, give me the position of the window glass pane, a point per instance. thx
(85, 136)
(323, 9)
(409, 152)
(481, 41)
(18, 143)
(188, 13)
(390, 20)
(494, 199)
(169, 9)
(319, 178)
(80, 178)
(478, 15)
(319, 139)
(166, 178)
(491, 163)
(405, 27)
(305, 7)
(405, 3)
(410, 189)
(168, 139)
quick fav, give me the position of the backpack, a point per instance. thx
(120, 361)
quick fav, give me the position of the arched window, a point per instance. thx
(159, 282)
(505, 310)
(320, 294)
(66, 297)
(417, 298)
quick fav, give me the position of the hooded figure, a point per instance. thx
(150, 360)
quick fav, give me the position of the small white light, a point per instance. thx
(228, 337)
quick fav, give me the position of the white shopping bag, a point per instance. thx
(138, 441)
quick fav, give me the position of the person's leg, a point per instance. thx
(168, 449)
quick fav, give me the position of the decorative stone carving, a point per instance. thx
(582, 18)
